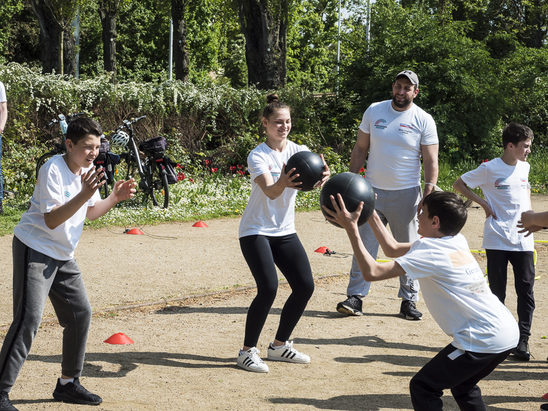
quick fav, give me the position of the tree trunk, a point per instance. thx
(53, 40)
(536, 19)
(180, 54)
(108, 12)
(264, 24)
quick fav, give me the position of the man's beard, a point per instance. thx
(405, 103)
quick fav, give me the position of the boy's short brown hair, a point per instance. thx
(81, 127)
(514, 133)
(449, 208)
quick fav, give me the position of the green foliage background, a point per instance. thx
(478, 64)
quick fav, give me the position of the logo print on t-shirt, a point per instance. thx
(67, 194)
(499, 184)
(406, 128)
(380, 124)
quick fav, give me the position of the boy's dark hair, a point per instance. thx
(514, 133)
(273, 103)
(81, 127)
(449, 208)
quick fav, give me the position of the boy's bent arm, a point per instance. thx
(461, 187)
(123, 190)
(62, 213)
(390, 246)
(100, 208)
(371, 269)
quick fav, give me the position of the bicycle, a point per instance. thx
(59, 148)
(151, 169)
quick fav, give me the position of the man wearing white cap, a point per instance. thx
(393, 136)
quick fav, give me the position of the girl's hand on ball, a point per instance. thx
(325, 175)
(288, 179)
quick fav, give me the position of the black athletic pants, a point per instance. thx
(523, 264)
(457, 370)
(262, 254)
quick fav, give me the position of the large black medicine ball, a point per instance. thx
(309, 166)
(353, 189)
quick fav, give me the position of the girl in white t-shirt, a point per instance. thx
(268, 239)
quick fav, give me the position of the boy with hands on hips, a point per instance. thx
(455, 291)
(504, 182)
(44, 241)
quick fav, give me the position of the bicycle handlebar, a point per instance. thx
(62, 117)
(128, 123)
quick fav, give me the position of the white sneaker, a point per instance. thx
(287, 353)
(249, 360)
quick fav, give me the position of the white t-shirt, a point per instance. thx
(507, 191)
(262, 215)
(395, 144)
(3, 98)
(457, 295)
(56, 186)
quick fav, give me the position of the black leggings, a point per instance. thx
(262, 253)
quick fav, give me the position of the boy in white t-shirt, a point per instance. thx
(43, 260)
(455, 292)
(504, 182)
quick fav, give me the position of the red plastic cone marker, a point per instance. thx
(119, 338)
(545, 396)
(134, 231)
(321, 250)
(199, 224)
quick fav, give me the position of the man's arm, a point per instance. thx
(430, 164)
(461, 187)
(359, 152)
(531, 222)
(3, 116)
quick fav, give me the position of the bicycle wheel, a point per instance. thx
(42, 160)
(158, 185)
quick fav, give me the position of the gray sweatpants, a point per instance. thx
(35, 276)
(398, 209)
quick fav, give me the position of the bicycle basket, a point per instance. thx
(103, 150)
(154, 147)
(170, 170)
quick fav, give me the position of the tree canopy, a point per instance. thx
(481, 63)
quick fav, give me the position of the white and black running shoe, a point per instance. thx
(249, 360)
(287, 353)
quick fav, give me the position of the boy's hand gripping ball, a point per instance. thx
(353, 189)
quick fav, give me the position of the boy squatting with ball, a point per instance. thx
(455, 291)
(43, 260)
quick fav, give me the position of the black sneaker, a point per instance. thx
(408, 310)
(5, 403)
(75, 393)
(351, 306)
(1, 208)
(521, 352)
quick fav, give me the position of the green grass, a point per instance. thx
(215, 195)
